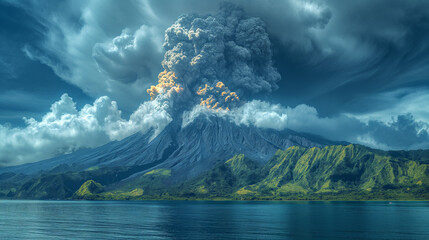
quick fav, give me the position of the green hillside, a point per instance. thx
(88, 190)
(343, 172)
(223, 180)
(352, 172)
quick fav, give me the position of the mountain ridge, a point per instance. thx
(199, 146)
(335, 172)
(214, 158)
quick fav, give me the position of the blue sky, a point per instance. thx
(354, 71)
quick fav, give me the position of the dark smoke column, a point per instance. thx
(219, 58)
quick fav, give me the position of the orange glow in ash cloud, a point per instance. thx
(166, 85)
(218, 97)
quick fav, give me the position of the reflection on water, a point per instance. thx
(213, 220)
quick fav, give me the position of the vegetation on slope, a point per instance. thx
(222, 180)
(350, 172)
(340, 171)
(87, 190)
(53, 185)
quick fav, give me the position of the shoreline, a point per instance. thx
(221, 200)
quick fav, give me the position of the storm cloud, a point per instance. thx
(348, 71)
(130, 56)
(336, 56)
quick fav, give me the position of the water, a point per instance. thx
(213, 220)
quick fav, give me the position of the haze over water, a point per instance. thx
(213, 220)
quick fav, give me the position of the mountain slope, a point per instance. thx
(187, 151)
(337, 172)
(341, 169)
(352, 172)
(88, 189)
(214, 158)
(224, 179)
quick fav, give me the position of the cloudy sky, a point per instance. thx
(74, 74)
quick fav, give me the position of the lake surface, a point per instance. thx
(213, 220)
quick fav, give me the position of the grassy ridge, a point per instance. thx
(343, 172)
(350, 172)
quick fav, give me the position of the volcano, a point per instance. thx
(211, 158)
(187, 151)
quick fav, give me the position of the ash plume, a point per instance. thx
(217, 59)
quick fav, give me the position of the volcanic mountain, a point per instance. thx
(187, 151)
(214, 158)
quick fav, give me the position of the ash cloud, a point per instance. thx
(226, 47)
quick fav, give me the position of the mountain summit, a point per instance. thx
(214, 158)
(188, 151)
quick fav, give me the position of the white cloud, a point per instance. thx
(260, 114)
(65, 129)
(402, 132)
(255, 113)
